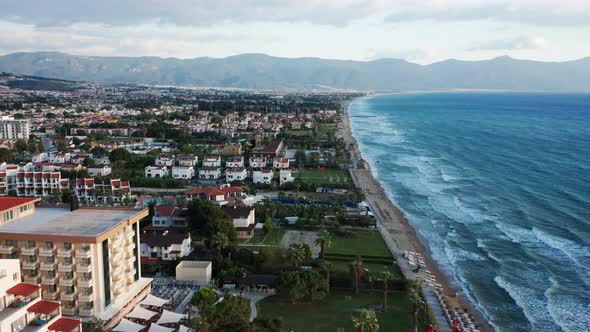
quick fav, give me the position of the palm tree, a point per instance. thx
(366, 321)
(324, 240)
(297, 253)
(358, 270)
(386, 277)
(326, 266)
(220, 241)
(417, 301)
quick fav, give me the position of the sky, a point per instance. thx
(421, 31)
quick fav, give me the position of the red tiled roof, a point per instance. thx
(148, 260)
(23, 289)
(64, 325)
(12, 202)
(167, 210)
(44, 307)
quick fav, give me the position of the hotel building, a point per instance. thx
(87, 259)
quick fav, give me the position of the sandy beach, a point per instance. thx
(401, 232)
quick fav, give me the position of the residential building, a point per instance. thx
(183, 172)
(164, 246)
(13, 129)
(166, 216)
(263, 176)
(220, 195)
(243, 220)
(156, 171)
(40, 157)
(188, 160)
(87, 259)
(164, 160)
(99, 170)
(280, 163)
(232, 149)
(110, 192)
(235, 174)
(209, 173)
(285, 176)
(271, 150)
(59, 157)
(212, 161)
(233, 162)
(257, 162)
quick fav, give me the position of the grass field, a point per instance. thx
(336, 311)
(325, 177)
(272, 239)
(373, 268)
(366, 243)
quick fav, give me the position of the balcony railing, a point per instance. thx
(48, 266)
(50, 295)
(84, 312)
(84, 282)
(6, 249)
(66, 282)
(65, 267)
(86, 297)
(31, 280)
(29, 251)
(29, 265)
(68, 311)
(83, 253)
(63, 252)
(83, 268)
(48, 281)
(46, 252)
(68, 296)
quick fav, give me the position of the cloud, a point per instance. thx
(519, 43)
(534, 12)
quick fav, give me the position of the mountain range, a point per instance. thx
(259, 71)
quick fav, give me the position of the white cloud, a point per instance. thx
(519, 43)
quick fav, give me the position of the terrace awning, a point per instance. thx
(153, 301)
(158, 328)
(141, 313)
(128, 326)
(64, 325)
(44, 307)
(23, 289)
(183, 328)
(169, 317)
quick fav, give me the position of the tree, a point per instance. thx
(416, 300)
(207, 219)
(56, 196)
(302, 285)
(268, 225)
(386, 278)
(120, 154)
(324, 240)
(6, 155)
(205, 296)
(325, 266)
(366, 321)
(231, 314)
(266, 325)
(66, 195)
(21, 145)
(299, 252)
(358, 270)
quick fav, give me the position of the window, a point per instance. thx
(16, 277)
(9, 243)
(31, 244)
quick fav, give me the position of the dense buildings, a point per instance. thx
(87, 259)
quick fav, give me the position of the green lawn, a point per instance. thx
(366, 243)
(336, 311)
(325, 177)
(272, 239)
(343, 267)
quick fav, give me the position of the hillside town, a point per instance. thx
(130, 209)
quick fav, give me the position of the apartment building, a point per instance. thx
(262, 176)
(22, 308)
(13, 129)
(212, 161)
(234, 162)
(87, 259)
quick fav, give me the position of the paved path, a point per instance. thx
(436, 309)
(254, 297)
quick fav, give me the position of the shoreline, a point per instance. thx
(398, 227)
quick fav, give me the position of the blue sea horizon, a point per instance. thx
(497, 187)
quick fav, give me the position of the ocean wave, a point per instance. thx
(569, 311)
(579, 254)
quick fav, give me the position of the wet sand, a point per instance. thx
(397, 226)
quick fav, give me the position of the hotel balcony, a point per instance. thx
(66, 282)
(50, 295)
(81, 253)
(86, 312)
(65, 267)
(84, 283)
(116, 243)
(46, 252)
(31, 280)
(47, 266)
(48, 281)
(116, 258)
(29, 251)
(86, 297)
(68, 311)
(83, 268)
(6, 249)
(62, 252)
(29, 265)
(129, 234)
(68, 296)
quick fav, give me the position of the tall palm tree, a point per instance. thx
(220, 242)
(326, 266)
(386, 277)
(358, 270)
(324, 240)
(416, 300)
(366, 321)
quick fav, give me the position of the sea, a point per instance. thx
(497, 186)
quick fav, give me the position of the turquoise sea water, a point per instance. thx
(497, 186)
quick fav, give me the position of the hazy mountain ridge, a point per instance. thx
(267, 72)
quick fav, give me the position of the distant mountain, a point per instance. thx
(267, 72)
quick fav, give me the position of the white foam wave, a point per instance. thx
(569, 312)
(571, 249)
